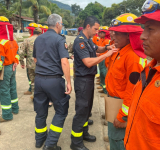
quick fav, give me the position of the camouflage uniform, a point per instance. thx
(70, 48)
(27, 50)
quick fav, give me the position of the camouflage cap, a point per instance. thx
(38, 30)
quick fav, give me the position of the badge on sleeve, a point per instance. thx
(82, 45)
(157, 83)
(66, 46)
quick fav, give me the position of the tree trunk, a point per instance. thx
(20, 11)
(7, 4)
(19, 24)
(35, 13)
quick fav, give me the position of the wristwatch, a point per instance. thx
(107, 46)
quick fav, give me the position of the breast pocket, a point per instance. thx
(118, 79)
(150, 120)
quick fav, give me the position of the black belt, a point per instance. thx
(55, 76)
(87, 76)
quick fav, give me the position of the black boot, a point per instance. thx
(75, 147)
(40, 144)
(89, 138)
(52, 148)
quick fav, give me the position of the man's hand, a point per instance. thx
(72, 57)
(23, 66)
(111, 47)
(110, 52)
(119, 124)
(35, 60)
(97, 54)
(69, 88)
(14, 66)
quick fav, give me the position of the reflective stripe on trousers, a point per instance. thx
(41, 130)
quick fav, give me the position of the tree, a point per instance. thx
(67, 18)
(38, 6)
(92, 9)
(17, 7)
(7, 4)
(5, 12)
(127, 6)
(76, 9)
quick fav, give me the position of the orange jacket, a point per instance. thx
(95, 40)
(9, 50)
(107, 60)
(122, 76)
(143, 128)
(103, 42)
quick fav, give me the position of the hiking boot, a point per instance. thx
(27, 93)
(3, 120)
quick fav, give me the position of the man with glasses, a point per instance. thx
(143, 128)
(51, 54)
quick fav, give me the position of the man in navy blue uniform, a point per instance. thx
(51, 56)
(85, 70)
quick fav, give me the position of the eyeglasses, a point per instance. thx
(61, 23)
(116, 22)
(150, 6)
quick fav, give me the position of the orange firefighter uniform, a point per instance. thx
(95, 39)
(8, 57)
(121, 78)
(124, 72)
(143, 128)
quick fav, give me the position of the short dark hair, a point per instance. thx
(91, 20)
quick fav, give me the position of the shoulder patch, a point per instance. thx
(81, 37)
(66, 46)
(82, 45)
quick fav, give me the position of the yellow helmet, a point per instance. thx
(158, 1)
(124, 19)
(45, 27)
(4, 19)
(33, 25)
(150, 6)
(39, 26)
(105, 27)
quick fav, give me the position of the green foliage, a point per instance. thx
(76, 9)
(92, 9)
(37, 9)
(61, 5)
(5, 12)
(105, 15)
(127, 6)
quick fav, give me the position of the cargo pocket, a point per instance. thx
(150, 122)
(81, 97)
(118, 81)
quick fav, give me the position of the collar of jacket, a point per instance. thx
(152, 65)
(125, 49)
